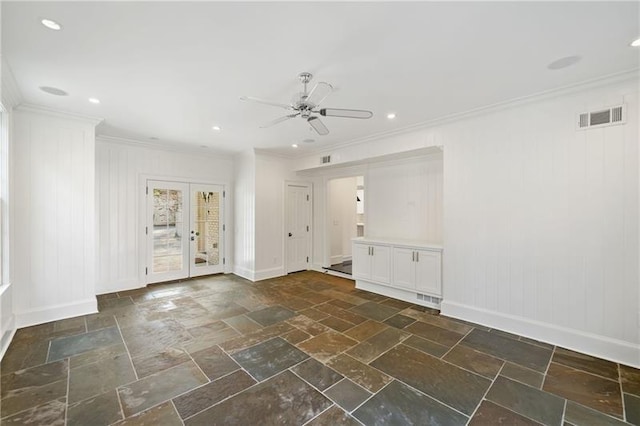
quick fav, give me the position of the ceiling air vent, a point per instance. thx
(326, 159)
(605, 117)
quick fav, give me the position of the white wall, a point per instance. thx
(540, 220)
(245, 211)
(53, 216)
(342, 218)
(404, 199)
(121, 171)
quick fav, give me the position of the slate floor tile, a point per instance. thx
(94, 379)
(317, 374)
(375, 311)
(145, 393)
(271, 315)
(586, 363)
(255, 337)
(307, 325)
(426, 346)
(369, 378)
(365, 330)
(64, 347)
(24, 354)
(447, 383)
(477, 362)
(147, 365)
(101, 410)
(327, 345)
(22, 399)
(632, 408)
(578, 415)
(283, 399)
(243, 324)
(533, 403)
(399, 321)
(584, 388)
(398, 404)
(630, 379)
(95, 355)
(522, 375)
(154, 336)
(161, 415)
(434, 333)
(515, 351)
(269, 358)
(489, 414)
(205, 396)
(51, 413)
(374, 346)
(336, 323)
(35, 376)
(214, 362)
(347, 394)
(334, 416)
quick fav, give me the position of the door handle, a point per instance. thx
(290, 234)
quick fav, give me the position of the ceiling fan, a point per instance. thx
(306, 105)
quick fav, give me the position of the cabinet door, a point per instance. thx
(361, 261)
(428, 272)
(381, 264)
(404, 270)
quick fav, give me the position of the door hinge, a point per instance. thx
(224, 194)
(147, 190)
(307, 259)
(146, 270)
(146, 230)
(224, 260)
(224, 228)
(307, 228)
(307, 197)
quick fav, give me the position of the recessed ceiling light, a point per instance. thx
(564, 62)
(217, 128)
(635, 43)
(391, 115)
(53, 91)
(94, 100)
(295, 145)
(51, 24)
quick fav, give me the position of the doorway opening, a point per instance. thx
(346, 220)
(185, 230)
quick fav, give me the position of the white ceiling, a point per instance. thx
(172, 70)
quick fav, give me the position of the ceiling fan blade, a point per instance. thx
(265, 102)
(279, 120)
(318, 125)
(345, 113)
(319, 93)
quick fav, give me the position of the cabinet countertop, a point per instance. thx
(399, 242)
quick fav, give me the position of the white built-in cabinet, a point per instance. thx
(406, 270)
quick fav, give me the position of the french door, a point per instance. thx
(185, 230)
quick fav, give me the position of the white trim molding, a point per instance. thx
(56, 312)
(620, 351)
(11, 95)
(265, 274)
(40, 109)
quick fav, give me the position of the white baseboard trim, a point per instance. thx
(123, 285)
(9, 330)
(592, 344)
(247, 274)
(317, 267)
(335, 259)
(396, 293)
(346, 258)
(56, 312)
(265, 274)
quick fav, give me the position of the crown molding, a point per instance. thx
(40, 109)
(163, 146)
(487, 109)
(11, 94)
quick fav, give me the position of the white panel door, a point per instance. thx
(381, 264)
(404, 270)
(297, 227)
(207, 233)
(361, 265)
(167, 231)
(428, 272)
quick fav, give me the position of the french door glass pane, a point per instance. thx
(167, 226)
(206, 206)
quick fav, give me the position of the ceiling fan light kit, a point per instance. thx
(306, 105)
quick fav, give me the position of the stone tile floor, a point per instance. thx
(303, 349)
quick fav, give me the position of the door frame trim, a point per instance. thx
(141, 213)
(285, 240)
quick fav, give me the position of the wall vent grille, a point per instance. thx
(326, 159)
(427, 298)
(601, 118)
